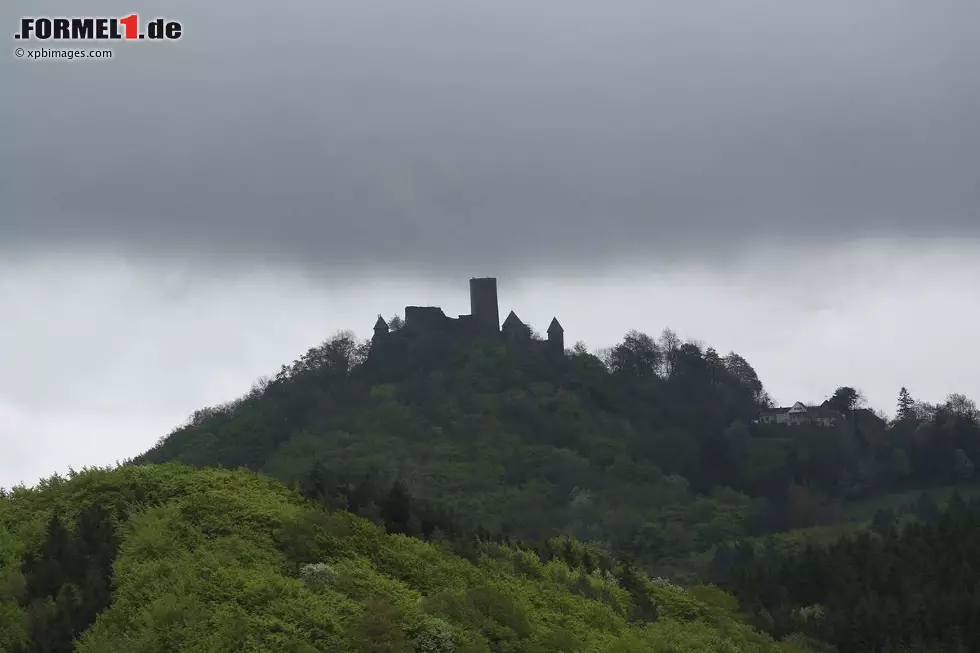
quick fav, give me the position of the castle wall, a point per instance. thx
(425, 318)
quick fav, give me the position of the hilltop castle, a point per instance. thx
(483, 321)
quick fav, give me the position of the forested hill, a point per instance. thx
(158, 559)
(649, 450)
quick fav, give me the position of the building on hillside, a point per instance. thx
(556, 336)
(800, 414)
(482, 321)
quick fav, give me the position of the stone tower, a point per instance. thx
(381, 329)
(483, 305)
(556, 337)
(514, 329)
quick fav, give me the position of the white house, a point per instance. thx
(800, 414)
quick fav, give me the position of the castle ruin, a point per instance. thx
(483, 321)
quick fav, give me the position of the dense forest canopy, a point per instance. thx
(495, 486)
(911, 587)
(650, 448)
(213, 561)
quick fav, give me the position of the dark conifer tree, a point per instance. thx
(906, 405)
(396, 509)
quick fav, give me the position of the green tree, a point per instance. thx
(906, 405)
(883, 522)
(47, 570)
(396, 509)
(379, 629)
(746, 376)
(845, 399)
(636, 355)
(926, 508)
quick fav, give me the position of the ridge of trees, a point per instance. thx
(648, 448)
(643, 459)
(910, 587)
(203, 561)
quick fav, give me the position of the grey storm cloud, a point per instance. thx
(443, 133)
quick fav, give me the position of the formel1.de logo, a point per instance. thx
(92, 28)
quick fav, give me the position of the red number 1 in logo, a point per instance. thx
(130, 23)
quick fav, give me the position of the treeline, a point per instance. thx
(391, 505)
(649, 448)
(910, 588)
(649, 451)
(209, 561)
(66, 583)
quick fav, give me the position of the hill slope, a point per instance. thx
(501, 436)
(898, 587)
(650, 451)
(147, 559)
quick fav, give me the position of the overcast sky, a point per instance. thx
(797, 181)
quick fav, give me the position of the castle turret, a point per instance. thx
(483, 305)
(380, 328)
(556, 336)
(514, 329)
